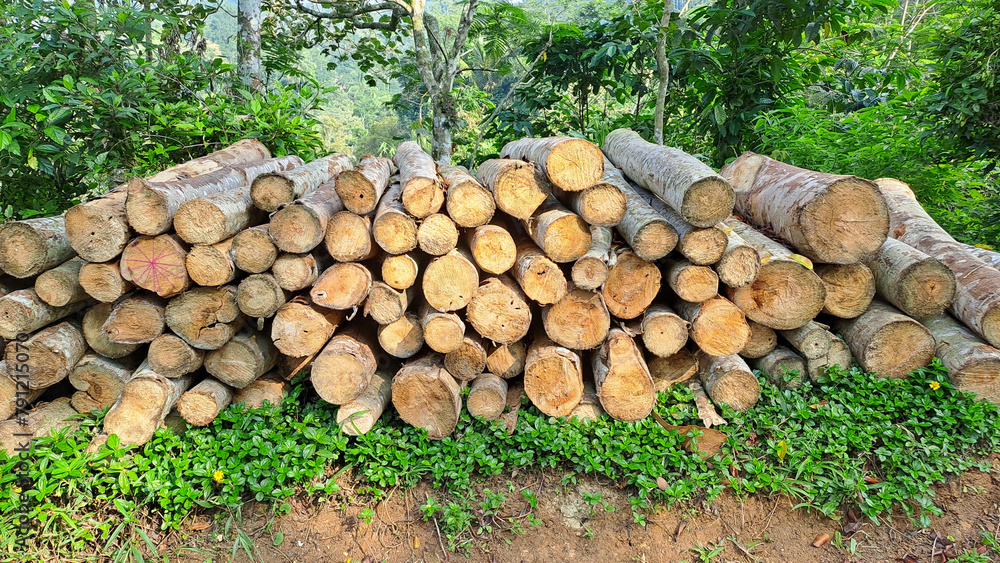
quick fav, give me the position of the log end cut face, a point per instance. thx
(737, 388)
(499, 314)
(631, 286)
(208, 266)
(991, 326)
(254, 251)
(544, 282)
(518, 191)
(343, 286)
(200, 222)
(259, 296)
(356, 191)
(170, 356)
(703, 247)
(708, 201)
(444, 333)
(785, 295)
(567, 239)
(198, 409)
(654, 240)
(156, 264)
(850, 289)
(427, 399)
(450, 282)
(297, 229)
(422, 197)
(147, 212)
(269, 191)
(627, 393)
(926, 288)
(575, 164)
(96, 232)
(494, 250)
(23, 251)
(739, 267)
(847, 223)
(720, 329)
(977, 373)
(578, 321)
(603, 205)
(470, 205)
(589, 273)
(554, 383)
(898, 348)
(396, 233)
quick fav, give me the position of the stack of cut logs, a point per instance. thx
(589, 280)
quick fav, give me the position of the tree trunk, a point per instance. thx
(518, 187)
(422, 193)
(728, 379)
(450, 281)
(691, 283)
(386, 305)
(301, 225)
(145, 401)
(539, 277)
(466, 362)
(211, 265)
(269, 388)
(468, 202)
(570, 164)
(52, 353)
(202, 403)
(260, 296)
(443, 332)
(426, 396)
(553, 377)
(839, 355)
(22, 311)
(295, 272)
(156, 264)
(205, 317)
(668, 370)
(487, 397)
(763, 339)
(914, 282)
(344, 368)
(624, 385)
(562, 235)
(632, 285)
(717, 326)
(104, 282)
(972, 364)
(437, 235)
(171, 356)
(249, 355)
(216, 217)
(362, 188)
(812, 339)
(648, 234)
(886, 342)
(664, 333)
(492, 248)
(784, 368)
(500, 311)
(506, 361)
(349, 237)
(740, 262)
(590, 271)
(402, 338)
(269, 191)
(702, 197)
(393, 228)
(578, 321)
(662, 72)
(29, 247)
(60, 286)
(701, 246)
(401, 271)
(97, 339)
(136, 318)
(827, 217)
(248, 66)
(38, 422)
(344, 285)
(359, 416)
(253, 250)
(301, 327)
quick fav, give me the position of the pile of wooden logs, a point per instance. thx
(590, 279)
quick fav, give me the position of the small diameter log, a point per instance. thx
(668, 370)
(16, 434)
(171, 356)
(506, 360)
(784, 368)
(423, 193)
(518, 187)
(342, 286)
(991, 257)
(401, 271)
(664, 333)
(621, 375)
(539, 277)
(887, 342)
(645, 230)
(467, 361)
(839, 355)
(827, 217)
(15, 394)
(487, 397)
(29, 247)
(61, 285)
(104, 282)
(295, 272)
(569, 163)
(437, 235)
(602, 204)
(93, 332)
(631, 286)
(156, 264)
(269, 191)
(349, 237)
(850, 288)
(301, 327)
(705, 409)
(344, 368)
(269, 388)
(402, 338)
(717, 326)
(578, 321)
(301, 225)
(205, 317)
(812, 339)
(728, 379)
(560, 233)
(702, 197)
(972, 364)
(500, 311)
(145, 401)
(426, 396)
(443, 332)
(692, 283)
(763, 339)
(393, 228)
(701, 246)
(22, 311)
(359, 416)
(493, 248)
(52, 353)
(917, 284)
(98, 229)
(740, 262)
(385, 305)
(249, 355)
(216, 217)
(260, 296)
(202, 403)
(450, 281)
(136, 318)
(211, 265)
(589, 407)
(553, 377)
(361, 189)
(468, 203)
(253, 250)
(590, 271)
(787, 293)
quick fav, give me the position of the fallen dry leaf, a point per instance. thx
(817, 405)
(680, 528)
(821, 540)
(416, 543)
(661, 483)
(871, 480)
(198, 526)
(851, 528)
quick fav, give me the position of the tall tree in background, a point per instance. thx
(662, 72)
(248, 44)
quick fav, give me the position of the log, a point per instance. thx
(668, 370)
(401, 271)
(540, 278)
(506, 361)
(468, 202)
(426, 396)
(850, 288)
(702, 197)
(728, 379)
(437, 235)
(664, 333)
(386, 305)
(423, 193)
(301, 225)
(466, 362)
(784, 368)
(22, 311)
(827, 217)
(342, 286)
(763, 339)
(14, 394)
(39, 422)
(61, 285)
(97, 339)
(648, 234)
(518, 187)
(211, 265)
(349, 237)
(202, 403)
(701, 246)
(578, 321)
(50, 354)
(249, 355)
(450, 281)
(487, 397)
(887, 342)
(253, 250)
(205, 317)
(443, 332)
(569, 163)
(787, 293)
(991, 257)
(560, 233)
(590, 271)
(492, 248)
(740, 262)
(402, 338)
(269, 388)
(347, 363)
(706, 412)
(621, 375)
(145, 401)
(589, 407)
(171, 356)
(692, 283)
(393, 228)
(553, 377)
(214, 218)
(269, 191)
(295, 272)
(136, 318)
(631, 286)
(600, 205)
(104, 282)
(717, 326)
(919, 285)
(29, 247)
(972, 364)
(812, 339)
(839, 355)
(260, 296)
(156, 264)
(361, 189)
(301, 327)
(500, 311)
(358, 417)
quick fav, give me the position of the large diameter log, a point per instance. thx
(539, 277)
(249, 355)
(171, 356)
(61, 285)
(506, 361)
(701, 246)
(631, 286)
(358, 417)
(443, 332)
(812, 339)
(916, 283)
(361, 189)
(569, 163)
(648, 234)
(216, 217)
(426, 396)
(52, 353)
(97, 339)
(664, 333)
(973, 366)
(702, 197)
(991, 257)
(202, 403)
(763, 339)
(560, 233)
(887, 342)
(145, 401)
(466, 362)
(401, 271)
(499, 310)
(344, 368)
(668, 370)
(827, 217)
(269, 191)
(402, 338)
(553, 377)
(839, 355)
(850, 288)
(302, 328)
(692, 283)
(728, 379)
(621, 375)
(29, 247)
(437, 234)
(740, 262)
(717, 326)
(450, 281)
(253, 250)
(295, 272)
(301, 225)
(98, 229)
(260, 296)
(342, 286)
(393, 228)
(22, 311)
(518, 187)
(578, 321)
(349, 237)
(784, 368)
(487, 397)
(492, 248)
(468, 202)
(211, 265)
(590, 271)
(156, 264)
(205, 317)
(137, 318)
(385, 305)
(423, 193)
(16, 434)
(269, 388)
(104, 282)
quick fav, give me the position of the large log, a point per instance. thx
(763, 339)
(349, 237)
(553, 377)
(423, 193)
(621, 375)
(104, 282)
(393, 228)
(269, 388)
(561, 234)
(295, 272)
(136, 318)
(850, 288)
(61, 285)
(740, 262)
(211, 265)
(648, 234)
(269, 191)
(437, 234)
(631, 286)
(539, 277)
(301, 225)
(344, 285)
(16, 434)
(99, 380)
(145, 401)
(664, 333)
(518, 187)
(260, 296)
(590, 271)
(400, 271)
(468, 202)
(691, 283)
(668, 370)
(156, 264)
(492, 248)
(991, 257)
(385, 305)
(569, 163)
(29, 247)
(443, 332)
(887, 342)
(253, 250)
(347, 363)
(916, 283)
(717, 326)
(450, 281)
(701, 246)
(301, 327)
(202, 403)
(578, 321)
(973, 366)
(171, 356)
(22, 311)
(50, 354)
(499, 310)
(358, 417)
(487, 397)
(784, 368)
(249, 355)
(827, 217)
(466, 362)
(506, 361)
(361, 189)
(97, 339)
(812, 339)
(728, 379)
(403, 337)
(215, 217)
(426, 396)
(205, 317)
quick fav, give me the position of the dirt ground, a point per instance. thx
(755, 529)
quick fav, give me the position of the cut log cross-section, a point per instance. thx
(578, 321)
(631, 286)
(740, 262)
(590, 271)
(171, 356)
(601, 205)
(99, 381)
(850, 288)
(450, 281)
(426, 396)
(571, 164)
(717, 326)
(393, 228)
(202, 403)
(648, 234)
(145, 402)
(61, 285)
(499, 310)
(254, 250)
(136, 318)
(539, 277)
(492, 248)
(361, 189)
(553, 377)
(692, 283)
(917, 284)
(249, 355)
(669, 370)
(468, 202)
(664, 333)
(887, 342)
(205, 317)
(728, 379)
(402, 338)
(783, 367)
(216, 217)
(97, 339)
(347, 363)
(301, 327)
(763, 339)
(359, 416)
(269, 191)
(270, 388)
(104, 282)
(401, 271)
(386, 305)
(487, 397)
(300, 226)
(342, 286)
(701, 246)
(466, 362)
(211, 265)
(624, 385)
(22, 311)
(29, 247)
(812, 340)
(295, 272)
(260, 296)
(561, 234)
(16, 434)
(506, 360)
(437, 235)
(972, 364)
(518, 187)
(443, 332)
(423, 192)
(157, 264)
(349, 237)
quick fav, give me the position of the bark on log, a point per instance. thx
(991, 257)
(702, 197)
(728, 379)
(850, 288)
(466, 362)
(136, 318)
(701, 246)
(839, 355)
(740, 262)
(827, 217)
(344, 285)
(385, 305)
(917, 284)
(40, 421)
(359, 416)
(393, 228)
(437, 235)
(784, 368)
(171, 356)
(692, 283)
(499, 310)
(402, 338)
(570, 164)
(561, 234)
(553, 377)
(887, 342)
(61, 285)
(624, 385)
(539, 277)
(22, 311)
(260, 296)
(631, 286)
(253, 250)
(143, 405)
(506, 361)
(664, 333)
(29, 247)
(347, 363)
(468, 202)
(302, 328)
(973, 366)
(401, 271)
(648, 234)
(423, 193)
(361, 189)
(450, 281)
(249, 355)
(590, 271)
(212, 265)
(487, 397)
(518, 187)
(426, 396)
(763, 339)
(269, 191)
(205, 317)
(717, 326)
(156, 264)
(104, 282)
(668, 370)
(216, 217)
(812, 339)
(269, 388)
(493, 248)
(349, 237)
(202, 403)
(93, 332)
(295, 272)
(301, 225)
(443, 332)
(578, 321)
(52, 353)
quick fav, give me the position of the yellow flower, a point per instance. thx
(16, 489)
(217, 476)
(935, 385)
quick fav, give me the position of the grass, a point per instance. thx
(850, 440)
